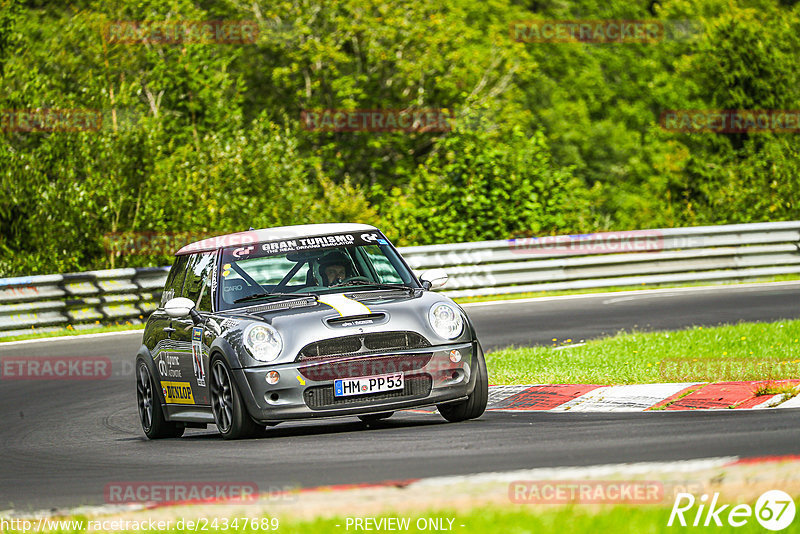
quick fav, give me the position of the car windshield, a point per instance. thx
(309, 266)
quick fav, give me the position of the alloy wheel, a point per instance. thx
(144, 397)
(221, 396)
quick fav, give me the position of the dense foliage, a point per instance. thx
(207, 138)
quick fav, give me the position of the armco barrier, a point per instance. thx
(675, 255)
(58, 300)
(644, 257)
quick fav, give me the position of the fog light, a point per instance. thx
(455, 355)
(273, 377)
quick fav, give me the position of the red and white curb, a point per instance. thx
(639, 397)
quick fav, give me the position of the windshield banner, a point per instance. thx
(270, 248)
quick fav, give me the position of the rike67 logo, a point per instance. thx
(774, 510)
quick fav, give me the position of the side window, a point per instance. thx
(174, 280)
(198, 280)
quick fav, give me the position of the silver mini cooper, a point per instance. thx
(302, 322)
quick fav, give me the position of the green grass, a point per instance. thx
(519, 519)
(746, 351)
(614, 289)
(36, 334)
(787, 390)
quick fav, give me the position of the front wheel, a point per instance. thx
(476, 403)
(230, 414)
(154, 424)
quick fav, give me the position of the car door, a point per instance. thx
(191, 348)
(158, 335)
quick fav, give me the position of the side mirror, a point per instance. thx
(433, 278)
(181, 307)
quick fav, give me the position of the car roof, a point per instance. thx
(272, 234)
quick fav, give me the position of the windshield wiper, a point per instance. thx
(265, 295)
(379, 285)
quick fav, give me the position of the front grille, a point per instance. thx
(322, 397)
(368, 366)
(362, 343)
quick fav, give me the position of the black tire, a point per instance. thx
(230, 413)
(475, 404)
(151, 416)
(372, 417)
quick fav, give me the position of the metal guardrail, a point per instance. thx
(644, 257)
(674, 255)
(79, 299)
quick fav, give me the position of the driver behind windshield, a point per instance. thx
(335, 269)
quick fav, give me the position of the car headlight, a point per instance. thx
(445, 320)
(263, 342)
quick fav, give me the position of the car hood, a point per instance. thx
(345, 314)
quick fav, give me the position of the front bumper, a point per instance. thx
(305, 389)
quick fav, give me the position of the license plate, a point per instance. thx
(365, 385)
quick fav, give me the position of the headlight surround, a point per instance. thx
(263, 341)
(445, 320)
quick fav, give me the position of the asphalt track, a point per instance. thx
(62, 442)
